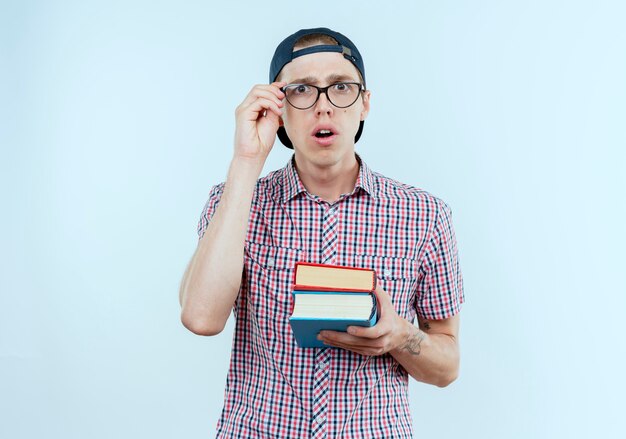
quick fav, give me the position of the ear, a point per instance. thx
(366, 104)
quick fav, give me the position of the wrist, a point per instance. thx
(410, 338)
(241, 179)
(402, 334)
(254, 155)
(244, 167)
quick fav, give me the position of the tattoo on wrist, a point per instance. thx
(426, 325)
(414, 342)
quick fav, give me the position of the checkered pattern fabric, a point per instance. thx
(276, 389)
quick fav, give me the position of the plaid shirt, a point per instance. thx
(276, 389)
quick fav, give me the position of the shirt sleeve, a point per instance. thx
(209, 208)
(440, 288)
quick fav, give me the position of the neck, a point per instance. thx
(328, 182)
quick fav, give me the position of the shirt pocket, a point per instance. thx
(398, 277)
(268, 272)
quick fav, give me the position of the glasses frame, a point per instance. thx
(324, 90)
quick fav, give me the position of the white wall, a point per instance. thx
(117, 117)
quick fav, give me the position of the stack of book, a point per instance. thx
(330, 297)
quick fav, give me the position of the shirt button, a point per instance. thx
(270, 262)
(320, 419)
(387, 272)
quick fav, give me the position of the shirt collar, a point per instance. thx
(366, 179)
(292, 185)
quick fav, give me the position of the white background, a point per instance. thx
(117, 117)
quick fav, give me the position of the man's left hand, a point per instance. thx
(387, 334)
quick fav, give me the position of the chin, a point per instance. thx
(326, 156)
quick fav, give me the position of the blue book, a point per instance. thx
(313, 311)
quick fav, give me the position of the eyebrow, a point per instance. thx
(329, 79)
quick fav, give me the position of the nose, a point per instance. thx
(323, 105)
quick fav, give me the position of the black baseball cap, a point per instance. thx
(284, 54)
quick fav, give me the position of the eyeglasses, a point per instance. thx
(340, 94)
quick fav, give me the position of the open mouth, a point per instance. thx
(323, 133)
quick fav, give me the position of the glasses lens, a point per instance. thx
(301, 95)
(343, 94)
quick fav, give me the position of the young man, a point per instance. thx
(325, 206)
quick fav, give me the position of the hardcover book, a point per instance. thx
(333, 278)
(314, 311)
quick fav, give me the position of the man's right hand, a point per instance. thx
(213, 277)
(257, 120)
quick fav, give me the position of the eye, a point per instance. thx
(342, 87)
(301, 89)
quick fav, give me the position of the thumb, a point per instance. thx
(382, 298)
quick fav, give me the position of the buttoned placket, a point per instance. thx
(321, 376)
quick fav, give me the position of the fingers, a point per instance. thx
(259, 107)
(261, 100)
(262, 94)
(362, 350)
(358, 345)
(268, 91)
(371, 332)
(342, 337)
(356, 335)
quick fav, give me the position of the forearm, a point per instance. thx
(429, 358)
(213, 277)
